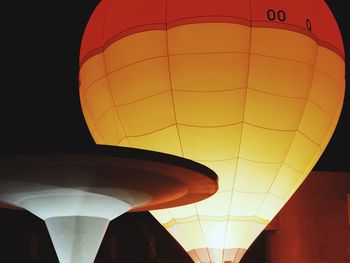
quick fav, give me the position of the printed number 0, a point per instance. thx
(271, 15)
(308, 24)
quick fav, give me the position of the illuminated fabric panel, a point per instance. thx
(251, 89)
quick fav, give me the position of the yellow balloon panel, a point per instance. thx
(256, 142)
(301, 152)
(315, 123)
(111, 134)
(89, 122)
(211, 208)
(194, 234)
(256, 105)
(255, 177)
(235, 233)
(280, 76)
(326, 92)
(181, 237)
(213, 233)
(246, 205)
(332, 65)
(222, 107)
(283, 44)
(269, 207)
(142, 117)
(130, 50)
(209, 72)
(284, 181)
(253, 231)
(226, 169)
(92, 70)
(213, 143)
(284, 112)
(128, 84)
(165, 140)
(98, 99)
(185, 212)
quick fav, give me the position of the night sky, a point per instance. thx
(40, 108)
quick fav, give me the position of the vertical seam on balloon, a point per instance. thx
(95, 129)
(177, 224)
(240, 140)
(318, 145)
(109, 86)
(177, 127)
(298, 129)
(277, 173)
(172, 95)
(169, 72)
(195, 251)
(335, 119)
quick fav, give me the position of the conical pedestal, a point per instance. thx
(76, 238)
(77, 195)
(76, 220)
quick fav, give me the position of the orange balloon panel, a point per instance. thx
(251, 89)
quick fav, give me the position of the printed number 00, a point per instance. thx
(271, 15)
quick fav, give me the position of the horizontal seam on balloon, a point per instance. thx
(236, 250)
(149, 133)
(162, 26)
(311, 140)
(247, 192)
(211, 126)
(293, 168)
(96, 123)
(190, 54)
(213, 161)
(202, 53)
(121, 35)
(287, 26)
(294, 26)
(209, 91)
(142, 99)
(199, 53)
(176, 123)
(321, 108)
(165, 91)
(122, 67)
(277, 95)
(198, 126)
(235, 158)
(194, 218)
(296, 98)
(134, 30)
(330, 76)
(120, 141)
(254, 161)
(269, 129)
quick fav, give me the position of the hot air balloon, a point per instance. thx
(251, 89)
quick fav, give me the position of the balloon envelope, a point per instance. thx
(252, 89)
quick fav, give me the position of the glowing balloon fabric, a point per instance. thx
(252, 89)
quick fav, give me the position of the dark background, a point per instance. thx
(40, 111)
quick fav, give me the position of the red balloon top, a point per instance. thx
(114, 19)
